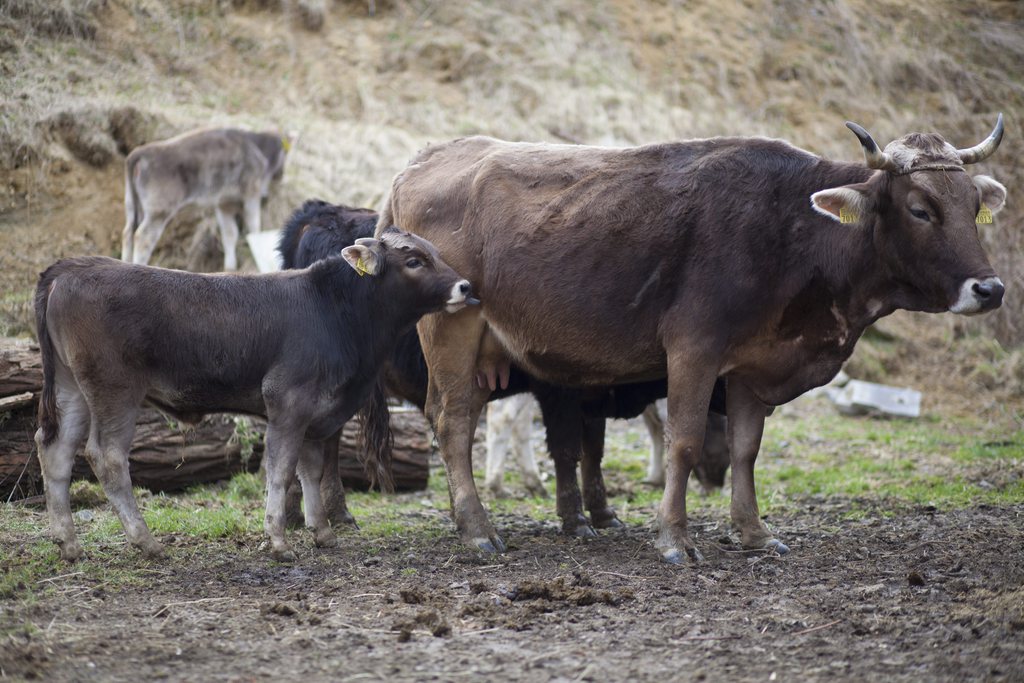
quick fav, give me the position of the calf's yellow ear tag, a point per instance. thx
(984, 215)
(848, 215)
(361, 267)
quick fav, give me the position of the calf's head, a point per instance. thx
(411, 271)
(923, 207)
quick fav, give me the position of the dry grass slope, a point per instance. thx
(367, 91)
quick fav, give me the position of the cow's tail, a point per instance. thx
(49, 420)
(376, 442)
(131, 210)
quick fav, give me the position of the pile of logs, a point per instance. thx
(169, 457)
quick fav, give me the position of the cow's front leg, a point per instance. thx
(282, 445)
(454, 426)
(690, 381)
(311, 472)
(595, 497)
(745, 427)
(454, 401)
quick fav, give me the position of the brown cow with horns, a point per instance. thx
(742, 258)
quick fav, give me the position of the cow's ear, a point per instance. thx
(363, 258)
(993, 193)
(847, 204)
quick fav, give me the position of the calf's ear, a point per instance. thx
(363, 258)
(993, 193)
(847, 204)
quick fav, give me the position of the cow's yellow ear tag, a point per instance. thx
(984, 215)
(848, 215)
(286, 144)
(361, 267)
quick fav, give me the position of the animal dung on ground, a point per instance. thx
(861, 398)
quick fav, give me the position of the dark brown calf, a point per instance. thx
(301, 348)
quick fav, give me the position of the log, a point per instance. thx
(166, 456)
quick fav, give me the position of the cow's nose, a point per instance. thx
(464, 287)
(989, 292)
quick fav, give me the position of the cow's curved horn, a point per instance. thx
(973, 155)
(874, 157)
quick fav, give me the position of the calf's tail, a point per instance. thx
(49, 420)
(376, 442)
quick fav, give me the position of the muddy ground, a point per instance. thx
(921, 596)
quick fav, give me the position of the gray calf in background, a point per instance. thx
(228, 169)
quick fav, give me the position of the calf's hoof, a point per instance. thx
(777, 545)
(71, 551)
(325, 539)
(153, 550)
(286, 556)
(537, 490)
(676, 556)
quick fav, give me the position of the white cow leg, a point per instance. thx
(56, 460)
(656, 429)
(228, 237)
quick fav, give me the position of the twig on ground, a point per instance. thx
(817, 628)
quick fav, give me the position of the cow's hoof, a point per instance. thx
(583, 530)
(606, 519)
(657, 482)
(676, 556)
(70, 552)
(284, 556)
(153, 551)
(777, 545)
(325, 539)
(537, 490)
(491, 545)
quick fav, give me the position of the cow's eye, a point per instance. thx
(413, 263)
(920, 214)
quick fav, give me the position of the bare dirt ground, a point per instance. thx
(922, 596)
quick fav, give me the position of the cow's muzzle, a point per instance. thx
(461, 295)
(979, 296)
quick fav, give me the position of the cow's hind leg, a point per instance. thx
(228, 236)
(595, 496)
(281, 451)
(562, 413)
(522, 426)
(310, 469)
(56, 459)
(332, 488)
(745, 427)
(656, 430)
(110, 441)
(148, 234)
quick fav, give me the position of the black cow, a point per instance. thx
(574, 419)
(300, 348)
